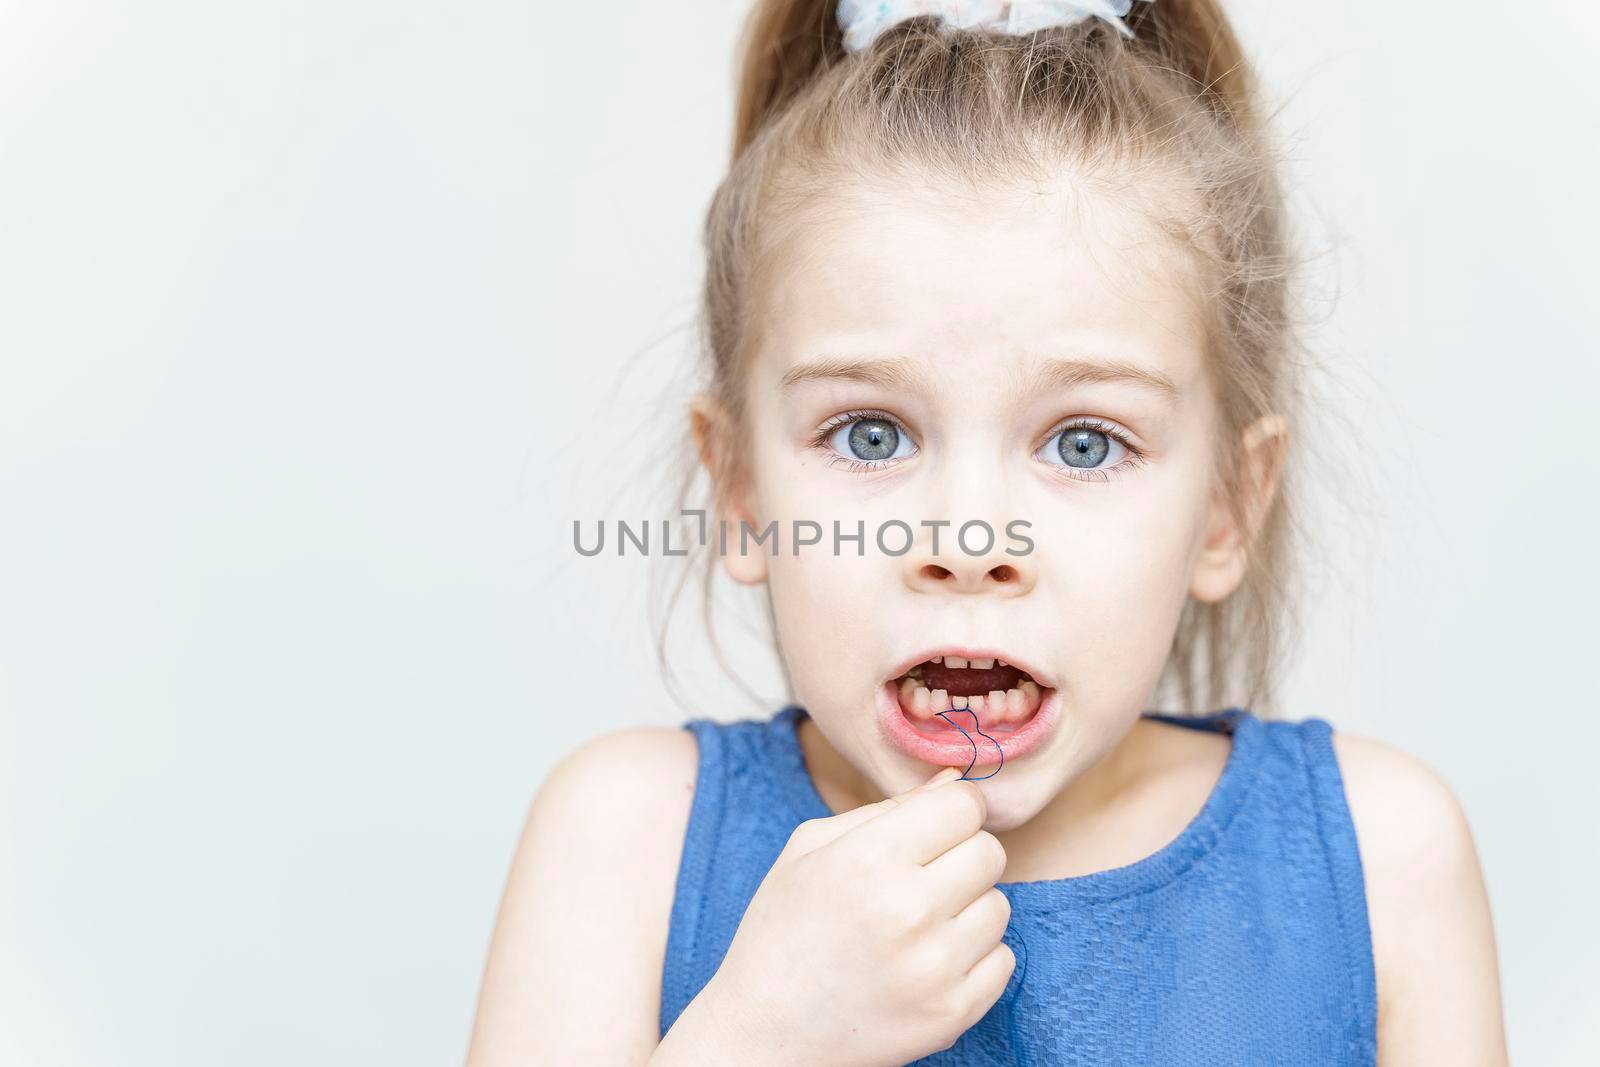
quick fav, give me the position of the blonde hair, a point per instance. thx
(1168, 121)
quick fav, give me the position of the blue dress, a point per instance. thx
(1242, 941)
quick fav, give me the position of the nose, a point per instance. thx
(971, 558)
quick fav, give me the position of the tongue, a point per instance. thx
(967, 681)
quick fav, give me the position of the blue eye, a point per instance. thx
(1085, 445)
(868, 439)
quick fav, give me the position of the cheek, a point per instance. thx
(827, 614)
(826, 606)
(1120, 575)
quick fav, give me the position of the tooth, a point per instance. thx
(1016, 703)
(958, 702)
(999, 662)
(1029, 688)
(939, 700)
(919, 701)
(954, 661)
(907, 687)
(982, 664)
(937, 659)
(976, 703)
(997, 702)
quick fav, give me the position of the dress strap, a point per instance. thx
(1336, 829)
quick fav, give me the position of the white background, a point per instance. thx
(321, 322)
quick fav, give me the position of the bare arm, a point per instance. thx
(574, 968)
(1432, 934)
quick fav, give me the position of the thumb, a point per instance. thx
(941, 776)
(831, 829)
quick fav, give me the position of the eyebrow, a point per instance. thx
(1052, 374)
(1068, 373)
(891, 373)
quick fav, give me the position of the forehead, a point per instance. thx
(962, 279)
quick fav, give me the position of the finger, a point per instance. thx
(974, 932)
(823, 831)
(963, 873)
(939, 777)
(983, 984)
(923, 825)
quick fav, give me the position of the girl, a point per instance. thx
(1000, 408)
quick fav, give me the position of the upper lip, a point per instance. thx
(970, 652)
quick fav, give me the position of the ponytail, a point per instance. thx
(1194, 36)
(785, 44)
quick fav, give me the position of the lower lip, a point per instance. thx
(957, 750)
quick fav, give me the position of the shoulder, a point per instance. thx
(575, 964)
(604, 773)
(625, 793)
(1428, 911)
(1412, 832)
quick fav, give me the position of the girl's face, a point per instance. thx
(1026, 357)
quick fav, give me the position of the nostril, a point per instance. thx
(934, 571)
(1004, 573)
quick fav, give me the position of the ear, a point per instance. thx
(716, 437)
(1219, 567)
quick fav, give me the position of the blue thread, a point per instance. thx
(1022, 1057)
(976, 726)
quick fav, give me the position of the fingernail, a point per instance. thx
(945, 774)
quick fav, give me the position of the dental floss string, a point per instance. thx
(978, 729)
(1023, 1059)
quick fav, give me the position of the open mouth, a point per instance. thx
(967, 708)
(1002, 696)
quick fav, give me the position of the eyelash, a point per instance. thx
(825, 431)
(1136, 456)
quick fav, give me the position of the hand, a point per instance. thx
(875, 938)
